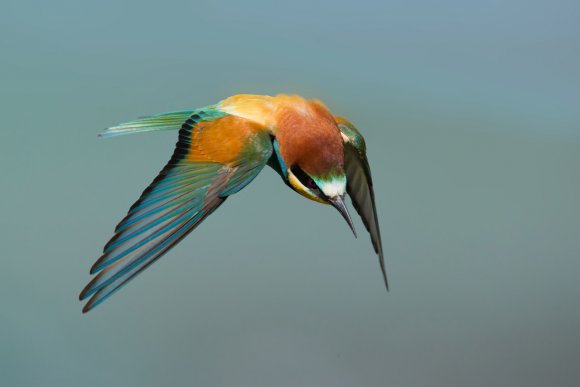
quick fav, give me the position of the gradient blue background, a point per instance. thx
(471, 113)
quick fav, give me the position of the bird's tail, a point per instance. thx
(159, 122)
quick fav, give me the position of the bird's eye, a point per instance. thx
(306, 180)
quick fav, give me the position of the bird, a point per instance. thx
(221, 148)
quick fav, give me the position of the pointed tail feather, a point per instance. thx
(159, 122)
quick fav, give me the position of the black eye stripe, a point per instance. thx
(306, 180)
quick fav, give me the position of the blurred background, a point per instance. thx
(470, 111)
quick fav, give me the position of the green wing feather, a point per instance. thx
(175, 203)
(359, 185)
(161, 122)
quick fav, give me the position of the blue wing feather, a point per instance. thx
(150, 246)
(122, 277)
(180, 198)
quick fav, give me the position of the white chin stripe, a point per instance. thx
(334, 187)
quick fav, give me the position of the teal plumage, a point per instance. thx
(183, 194)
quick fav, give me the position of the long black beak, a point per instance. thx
(338, 203)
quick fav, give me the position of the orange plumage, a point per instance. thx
(222, 140)
(305, 129)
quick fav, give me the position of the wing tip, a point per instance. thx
(386, 281)
(96, 298)
(85, 292)
(82, 296)
(91, 304)
(99, 265)
(383, 268)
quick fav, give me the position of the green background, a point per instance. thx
(472, 119)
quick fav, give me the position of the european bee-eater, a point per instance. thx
(221, 149)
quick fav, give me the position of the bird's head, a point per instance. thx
(327, 189)
(311, 154)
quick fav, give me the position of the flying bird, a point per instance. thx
(221, 149)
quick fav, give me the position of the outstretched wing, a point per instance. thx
(359, 185)
(216, 156)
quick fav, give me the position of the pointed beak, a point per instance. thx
(338, 203)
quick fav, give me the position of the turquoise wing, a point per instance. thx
(359, 185)
(175, 203)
